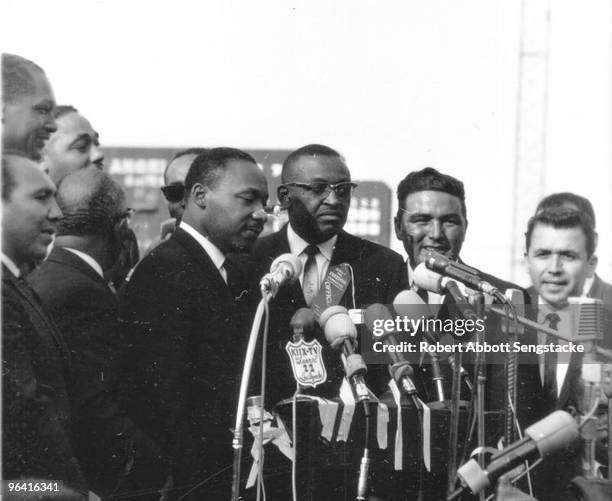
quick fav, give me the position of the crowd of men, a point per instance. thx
(124, 386)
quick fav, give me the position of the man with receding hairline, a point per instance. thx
(27, 106)
(186, 317)
(36, 421)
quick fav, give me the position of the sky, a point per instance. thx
(393, 85)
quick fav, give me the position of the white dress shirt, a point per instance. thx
(216, 256)
(9, 263)
(88, 259)
(297, 246)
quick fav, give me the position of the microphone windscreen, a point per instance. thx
(337, 325)
(587, 317)
(303, 320)
(426, 279)
(553, 433)
(408, 303)
(374, 312)
(290, 261)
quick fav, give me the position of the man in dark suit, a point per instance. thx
(185, 313)
(72, 286)
(594, 286)
(316, 192)
(432, 215)
(37, 441)
(560, 249)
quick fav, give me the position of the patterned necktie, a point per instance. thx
(550, 358)
(310, 284)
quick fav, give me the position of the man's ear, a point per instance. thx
(399, 230)
(199, 194)
(283, 196)
(592, 265)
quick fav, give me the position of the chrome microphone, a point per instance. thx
(286, 268)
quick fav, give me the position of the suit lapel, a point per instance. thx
(31, 298)
(201, 258)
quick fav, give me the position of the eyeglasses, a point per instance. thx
(342, 190)
(173, 192)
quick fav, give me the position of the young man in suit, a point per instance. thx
(560, 249)
(36, 429)
(27, 107)
(187, 323)
(72, 285)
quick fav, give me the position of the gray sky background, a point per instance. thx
(394, 85)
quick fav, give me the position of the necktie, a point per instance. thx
(310, 283)
(550, 359)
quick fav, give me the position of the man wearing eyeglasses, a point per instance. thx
(316, 191)
(72, 285)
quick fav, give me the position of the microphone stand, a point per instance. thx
(481, 379)
(237, 442)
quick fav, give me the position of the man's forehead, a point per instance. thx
(309, 168)
(75, 123)
(43, 93)
(27, 175)
(545, 236)
(431, 201)
(243, 174)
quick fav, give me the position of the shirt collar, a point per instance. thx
(588, 283)
(297, 244)
(216, 256)
(88, 259)
(10, 264)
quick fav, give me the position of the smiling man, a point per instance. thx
(74, 145)
(27, 107)
(187, 323)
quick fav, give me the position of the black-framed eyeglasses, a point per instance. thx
(173, 192)
(342, 189)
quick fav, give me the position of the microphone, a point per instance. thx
(284, 269)
(302, 324)
(408, 302)
(400, 370)
(341, 333)
(549, 435)
(429, 280)
(464, 274)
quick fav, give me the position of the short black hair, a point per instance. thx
(429, 179)
(207, 167)
(563, 219)
(559, 201)
(182, 153)
(311, 150)
(90, 201)
(63, 109)
(17, 77)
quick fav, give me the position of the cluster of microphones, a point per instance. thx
(440, 275)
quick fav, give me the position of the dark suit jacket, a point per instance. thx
(186, 335)
(36, 428)
(86, 310)
(379, 276)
